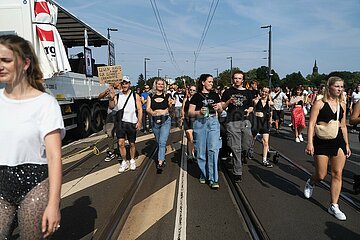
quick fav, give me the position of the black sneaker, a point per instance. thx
(267, 164)
(237, 178)
(110, 156)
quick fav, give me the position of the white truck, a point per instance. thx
(46, 24)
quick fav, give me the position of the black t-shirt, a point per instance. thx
(236, 112)
(255, 93)
(205, 100)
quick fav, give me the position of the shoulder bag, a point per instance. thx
(328, 130)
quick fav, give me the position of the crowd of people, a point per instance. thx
(230, 121)
(214, 119)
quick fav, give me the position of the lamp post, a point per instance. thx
(230, 67)
(109, 48)
(145, 59)
(217, 76)
(269, 52)
(159, 69)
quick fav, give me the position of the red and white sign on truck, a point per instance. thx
(53, 31)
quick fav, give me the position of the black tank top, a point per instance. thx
(326, 114)
(159, 105)
(260, 108)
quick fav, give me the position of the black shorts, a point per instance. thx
(188, 123)
(278, 115)
(261, 125)
(126, 130)
(18, 181)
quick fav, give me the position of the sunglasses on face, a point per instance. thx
(124, 83)
(192, 90)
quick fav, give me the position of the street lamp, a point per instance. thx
(217, 76)
(145, 59)
(269, 52)
(159, 69)
(230, 68)
(110, 48)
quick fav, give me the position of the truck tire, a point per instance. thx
(97, 118)
(84, 121)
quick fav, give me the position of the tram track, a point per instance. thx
(116, 221)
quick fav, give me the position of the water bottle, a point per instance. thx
(206, 105)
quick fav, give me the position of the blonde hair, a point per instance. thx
(331, 81)
(153, 91)
(23, 50)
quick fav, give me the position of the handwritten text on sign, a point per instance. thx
(109, 74)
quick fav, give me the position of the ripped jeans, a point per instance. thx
(207, 143)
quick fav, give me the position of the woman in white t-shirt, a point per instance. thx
(31, 128)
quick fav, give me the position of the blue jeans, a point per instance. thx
(161, 132)
(207, 144)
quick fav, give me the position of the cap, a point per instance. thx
(126, 79)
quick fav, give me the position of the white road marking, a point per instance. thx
(181, 210)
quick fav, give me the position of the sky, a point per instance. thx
(303, 31)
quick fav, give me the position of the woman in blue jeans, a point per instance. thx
(205, 107)
(158, 108)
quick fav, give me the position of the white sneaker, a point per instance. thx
(297, 140)
(123, 166)
(132, 165)
(335, 211)
(308, 190)
(301, 138)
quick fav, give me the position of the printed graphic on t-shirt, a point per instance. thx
(240, 99)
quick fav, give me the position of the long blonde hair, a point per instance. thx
(23, 50)
(331, 81)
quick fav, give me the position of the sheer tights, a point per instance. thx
(29, 212)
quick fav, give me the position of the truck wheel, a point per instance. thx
(97, 118)
(84, 121)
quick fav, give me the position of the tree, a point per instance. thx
(315, 80)
(179, 81)
(141, 81)
(292, 80)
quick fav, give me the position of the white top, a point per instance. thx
(355, 97)
(279, 100)
(130, 108)
(23, 127)
(179, 98)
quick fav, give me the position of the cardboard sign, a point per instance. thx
(109, 74)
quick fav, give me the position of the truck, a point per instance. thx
(53, 31)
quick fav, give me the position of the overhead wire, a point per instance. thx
(209, 19)
(163, 33)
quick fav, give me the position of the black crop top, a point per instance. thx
(260, 108)
(326, 114)
(161, 104)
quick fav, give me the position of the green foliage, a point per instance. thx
(261, 75)
(141, 81)
(179, 81)
(292, 80)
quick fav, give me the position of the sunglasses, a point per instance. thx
(192, 90)
(124, 83)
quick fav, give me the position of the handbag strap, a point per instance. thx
(338, 112)
(127, 99)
